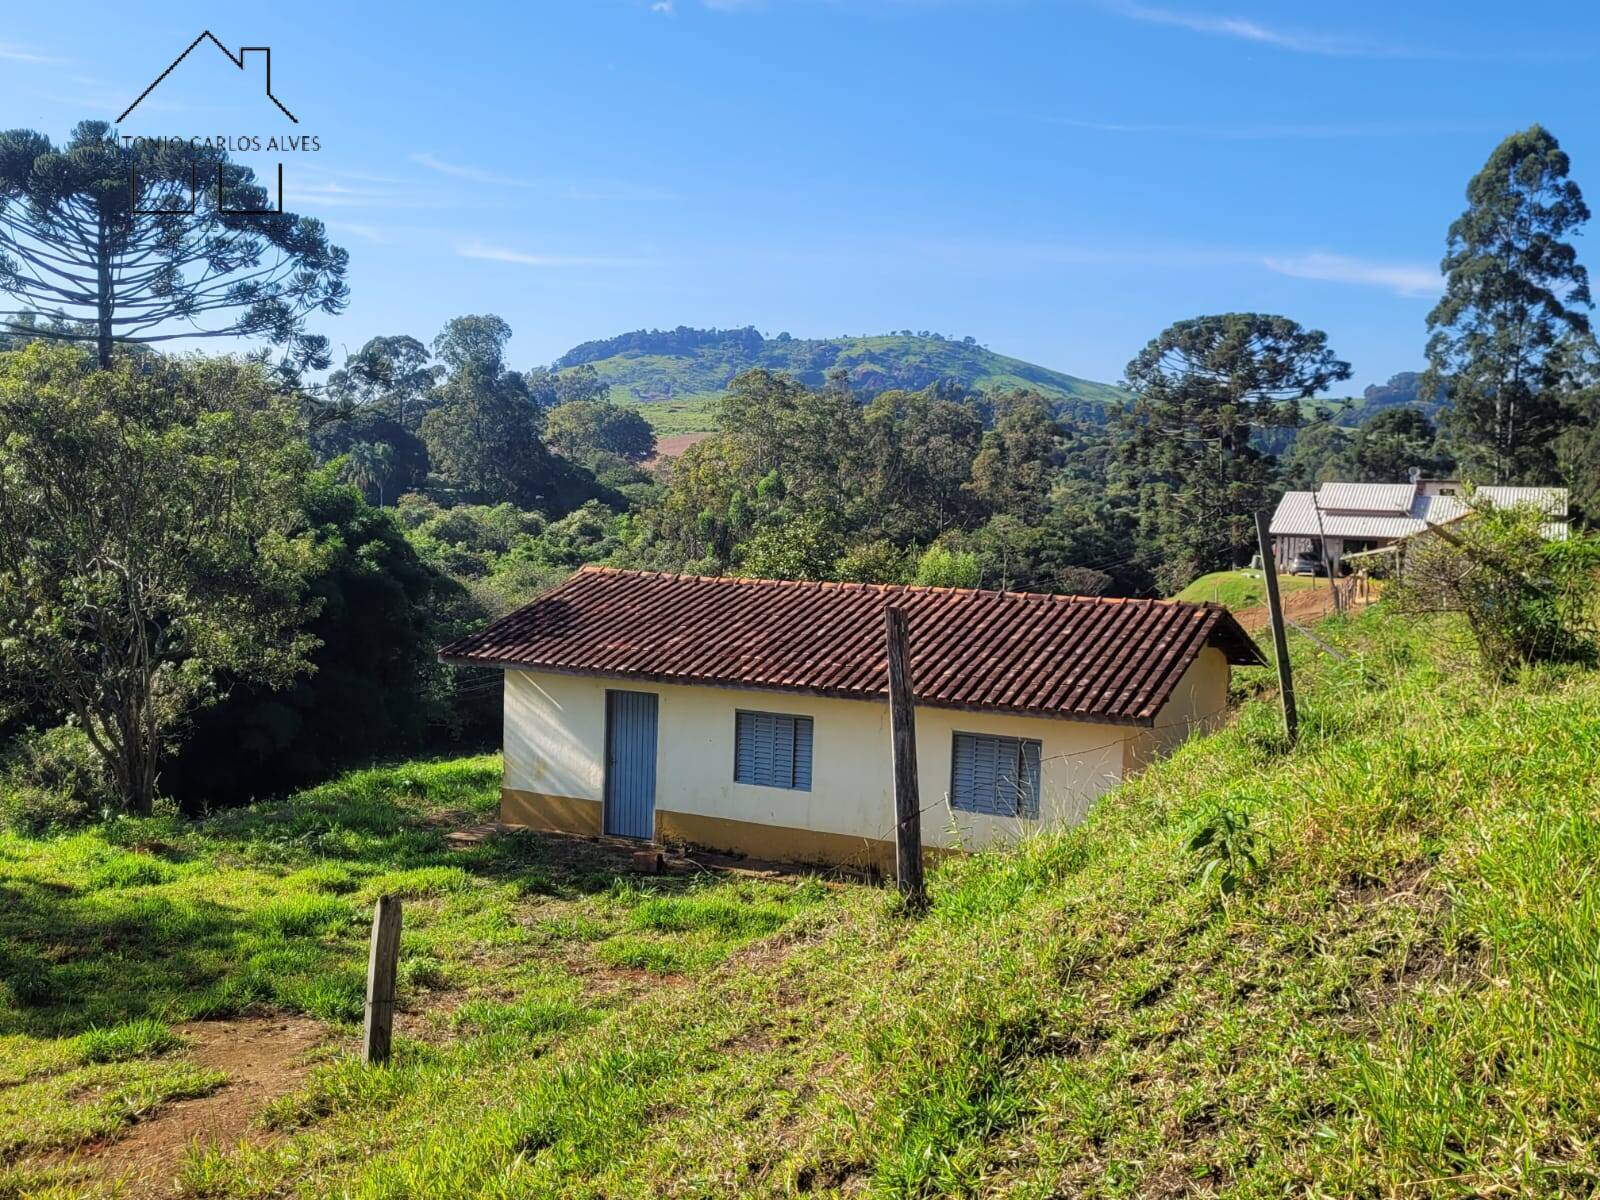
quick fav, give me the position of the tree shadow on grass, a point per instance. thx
(73, 959)
(175, 927)
(397, 819)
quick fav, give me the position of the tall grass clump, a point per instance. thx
(142, 1038)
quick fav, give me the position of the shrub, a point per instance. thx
(1228, 851)
(802, 546)
(871, 562)
(942, 567)
(1527, 598)
(52, 778)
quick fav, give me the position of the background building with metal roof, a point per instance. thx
(1340, 518)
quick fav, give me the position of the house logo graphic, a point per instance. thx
(236, 59)
(295, 143)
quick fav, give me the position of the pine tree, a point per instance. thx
(1203, 388)
(1514, 292)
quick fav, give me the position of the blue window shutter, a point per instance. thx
(985, 773)
(802, 754)
(997, 776)
(1029, 806)
(1008, 758)
(744, 752)
(963, 782)
(783, 752)
(772, 750)
(763, 771)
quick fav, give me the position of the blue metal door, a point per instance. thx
(631, 764)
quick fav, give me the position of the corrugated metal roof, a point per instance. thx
(1385, 499)
(1552, 501)
(1080, 657)
(1296, 514)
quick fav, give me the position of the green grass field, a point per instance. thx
(691, 414)
(1238, 589)
(1402, 999)
(110, 938)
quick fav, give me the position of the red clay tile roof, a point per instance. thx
(1080, 657)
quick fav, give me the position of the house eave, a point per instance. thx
(793, 690)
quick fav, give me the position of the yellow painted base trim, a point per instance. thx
(555, 814)
(778, 843)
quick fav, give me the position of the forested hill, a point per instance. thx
(687, 367)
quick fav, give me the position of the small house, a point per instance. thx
(750, 715)
(1345, 518)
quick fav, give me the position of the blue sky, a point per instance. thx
(1058, 179)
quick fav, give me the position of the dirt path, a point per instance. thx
(1305, 606)
(264, 1057)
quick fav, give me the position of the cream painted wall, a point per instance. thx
(555, 739)
(1197, 704)
(554, 735)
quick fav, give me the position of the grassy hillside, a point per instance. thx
(1238, 589)
(688, 369)
(1404, 1000)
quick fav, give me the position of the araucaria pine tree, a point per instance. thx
(144, 243)
(1202, 389)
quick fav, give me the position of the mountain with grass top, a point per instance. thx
(677, 375)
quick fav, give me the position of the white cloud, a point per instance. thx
(566, 189)
(368, 233)
(1299, 41)
(328, 192)
(662, 6)
(1406, 279)
(11, 52)
(984, 254)
(490, 252)
(342, 173)
(470, 174)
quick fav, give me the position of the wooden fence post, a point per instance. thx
(1280, 638)
(381, 965)
(903, 749)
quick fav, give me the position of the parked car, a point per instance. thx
(1309, 562)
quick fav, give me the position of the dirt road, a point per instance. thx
(1305, 606)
